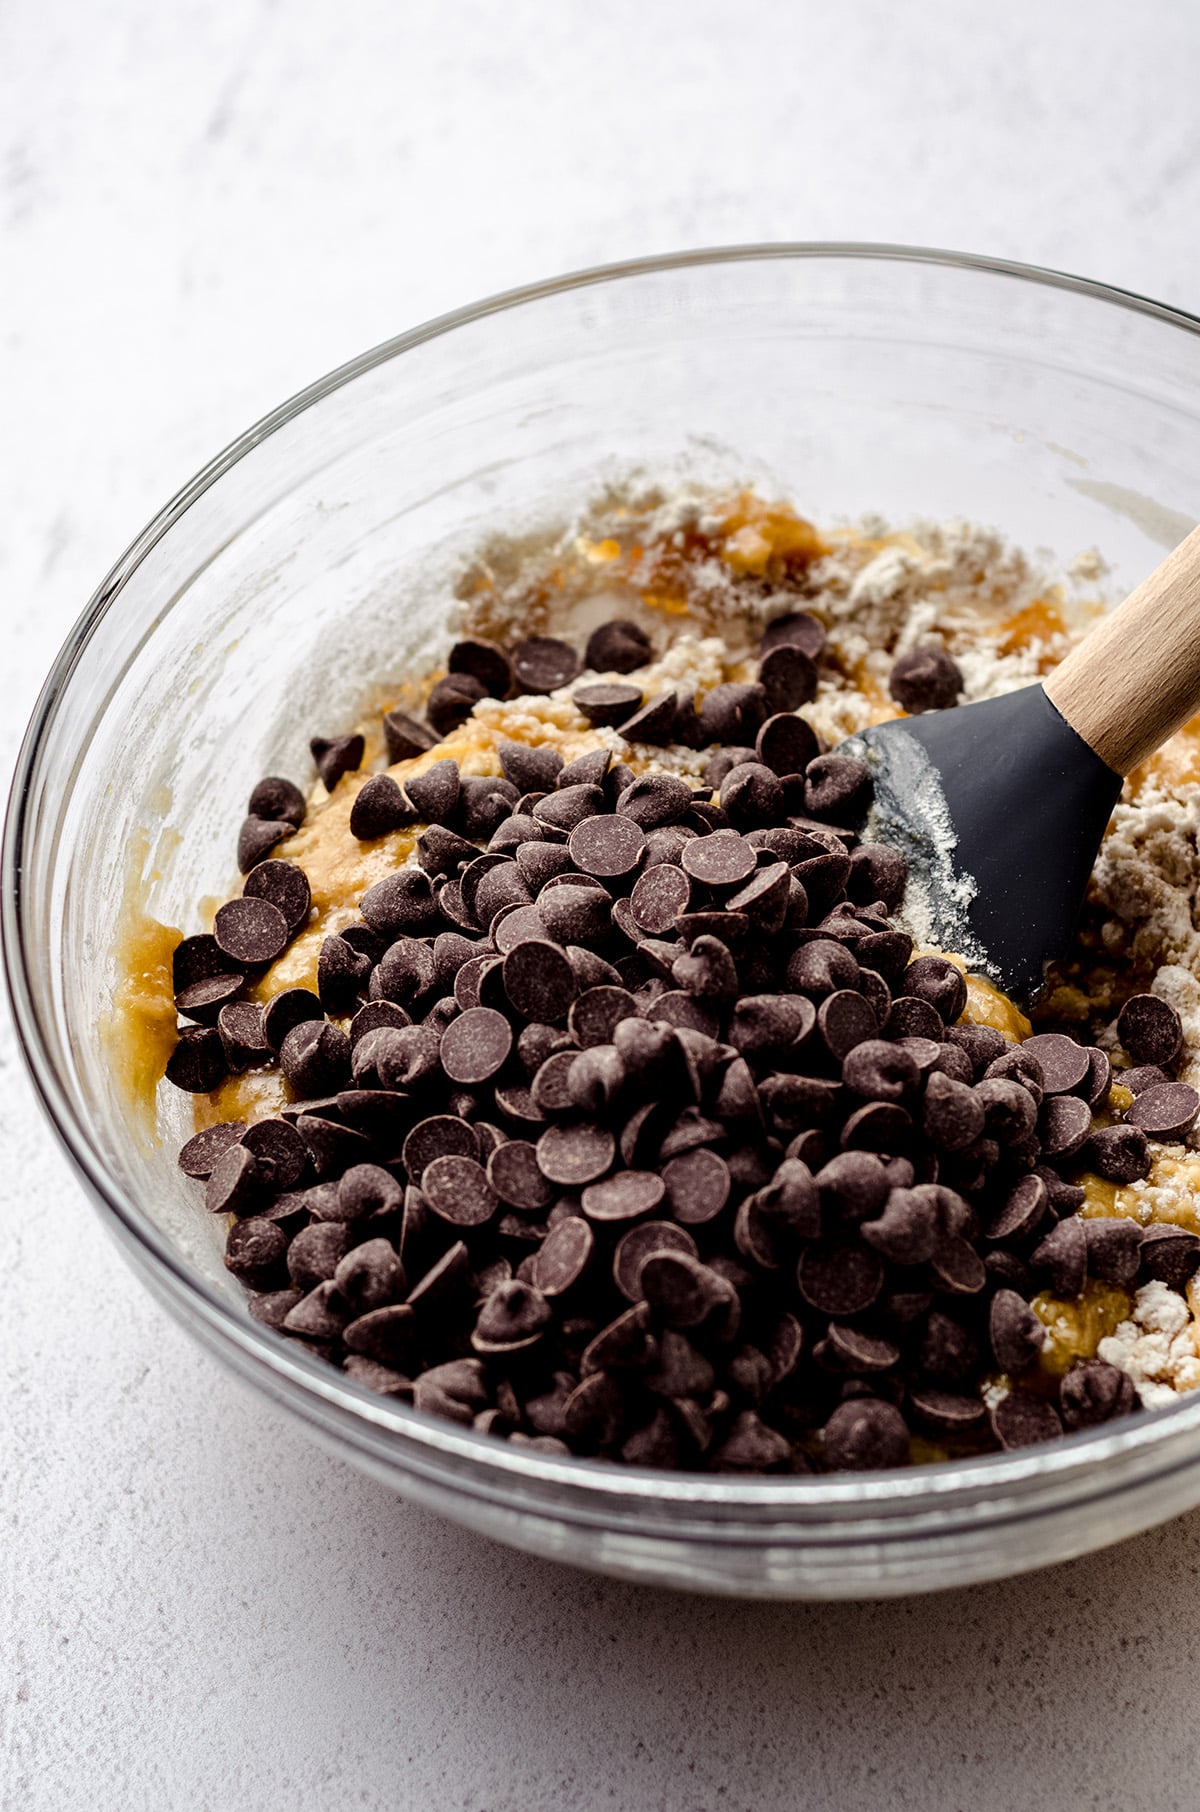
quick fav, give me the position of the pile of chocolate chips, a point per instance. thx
(647, 1137)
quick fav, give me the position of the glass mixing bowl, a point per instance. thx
(314, 557)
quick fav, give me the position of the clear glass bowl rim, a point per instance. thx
(586, 1491)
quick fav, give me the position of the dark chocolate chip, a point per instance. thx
(845, 1019)
(1022, 1420)
(476, 1045)
(837, 788)
(576, 1154)
(255, 1250)
(732, 712)
(405, 737)
(925, 680)
(400, 904)
(786, 744)
(1113, 1249)
(878, 1070)
(1066, 1066)
(1119, 1154)
(1094, 1392)
(277, 798)
(1166, 1112)
(336, 756)
(940, 983)
(838, 1279)
(457, 1190)
(1063, 1127)
(514, 1317)
(542, 664)
(1146, 1075)
(250, 932)
(1063, 1257)
(539, 980)
(438, 1136)
(1150, 1029)
(865, 1434)
(452, 700)
(285, 885)
(624, 1196)
(751, 796)
(204, 1000)
(655, 799)
(197, 1064)
(486, 662)
(513, 1173)
(607, 702)
(315, 1058)
(435, 793)
(1016, 1334)
(574, 913)
(607, 846)
(1169, 1253)
(257, 838)
(654, 724)
(618, 646)
(798, 629)
(379, 808)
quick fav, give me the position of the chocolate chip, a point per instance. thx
(1150, 1029)
(1063, 1127)
(539, 980)
(789, 679)
(400, 904)
(1169, 1253)
(865, 1435)
(542, 664)
(255, 1250)
(1022, 1420)
(531, 770)
(279, 1152)
(1147, 1075)
(878, 1070)
(607, 846)
(1166, 1112)
(655, 799)
(379, 808)
(574, 1155)
(607, 703)
(484, 661)
(199, 1155)
(387, 1335)
(659, 896)
(837, 788)
(838, 1279)
(798, 629)
(654, 724)
(563, 1257)
(197, 1064)
(597, 1012)
(624, 1196)
(285, 885)
(823, 967)
(908, 1230)
(1016, 1334)
(514, 1174)
(844, 1020)
(785, 743)
(336, 756)
(438, 1136)
(1113, 1249)
(204, 1000)
(250, 932)
(452, 700)
(1094, 1392)
(940, 984)
(680, 1290)
(435, 793)
(618, 646)
(257, 838)
(315, 1058)
(925, 680)
(513, 1318)
(342, 974)
(405, 737)
(476, 1045)
(277, 798)
(1066, 1066)
(751, 795)
(1063, 1257)
(1024, 1208)
(574, 913)
(289, 1008)
(1119, 1154)
(457, 1189)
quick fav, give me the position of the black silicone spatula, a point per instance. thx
(1001, 806)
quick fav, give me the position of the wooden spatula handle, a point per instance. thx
(1132, 682)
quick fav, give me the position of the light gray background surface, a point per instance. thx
(203, 205)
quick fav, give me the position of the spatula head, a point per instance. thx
(1000, 808)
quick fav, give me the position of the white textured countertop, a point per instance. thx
(202, 206)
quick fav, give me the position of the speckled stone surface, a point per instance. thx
(203, 206)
